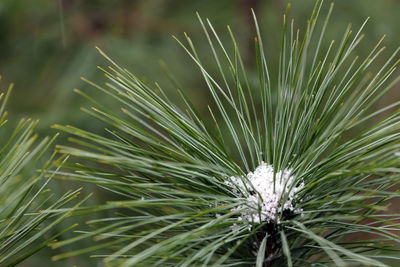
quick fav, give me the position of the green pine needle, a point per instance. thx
(177, 178)
(28, 211)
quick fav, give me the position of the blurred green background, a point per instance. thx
(47, 45)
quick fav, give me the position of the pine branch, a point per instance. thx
(276, 182)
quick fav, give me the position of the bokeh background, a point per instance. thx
(47, 45)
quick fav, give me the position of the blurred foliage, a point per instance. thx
(46, 46)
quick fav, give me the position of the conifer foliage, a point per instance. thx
(275, 181)
(28, 211)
